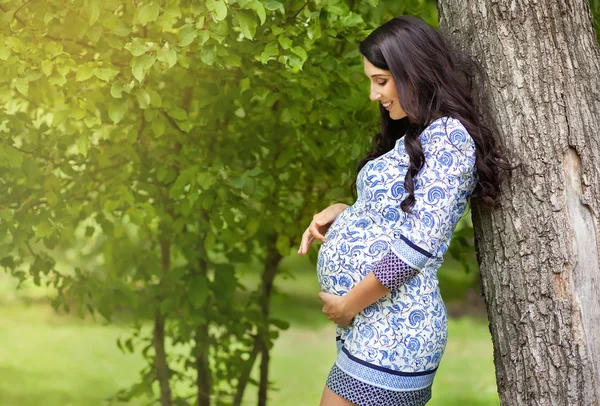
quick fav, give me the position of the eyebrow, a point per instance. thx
(378, 74)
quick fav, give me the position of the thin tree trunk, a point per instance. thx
(160, 360)
(539, 253)
(201, 350)
(203, 378)
(245, 375)
(270, 270)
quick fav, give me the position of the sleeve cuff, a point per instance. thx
(392, 272)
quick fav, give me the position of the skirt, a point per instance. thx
(363, 394)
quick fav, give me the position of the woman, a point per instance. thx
(378, 261)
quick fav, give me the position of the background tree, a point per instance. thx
(539, 253)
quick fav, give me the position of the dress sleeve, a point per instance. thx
(441, 189)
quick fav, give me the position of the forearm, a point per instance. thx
(365, 293)
(338, 208)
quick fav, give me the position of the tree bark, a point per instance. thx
(539, 252)
(201, 352)
(268, 277)
(161, 365)
(246, 371)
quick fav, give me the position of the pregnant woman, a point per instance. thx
(378, 261)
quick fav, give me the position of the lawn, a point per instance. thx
(49, 359)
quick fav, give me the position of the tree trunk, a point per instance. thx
(269, 273)
(246, 371)
(202, 349)
(161, 365)
(203, 377)
(539, 252)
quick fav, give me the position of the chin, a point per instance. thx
(396, 116)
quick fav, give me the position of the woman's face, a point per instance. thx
(383, 90)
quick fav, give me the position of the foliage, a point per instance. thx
(595, 8)
(166, 141)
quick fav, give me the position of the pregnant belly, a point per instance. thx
(353, 246)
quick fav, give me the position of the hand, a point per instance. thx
(335, 309)
(319, 226)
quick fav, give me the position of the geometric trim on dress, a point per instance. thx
(383, 377)
(410, 253)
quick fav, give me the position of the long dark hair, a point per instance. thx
(433, 79)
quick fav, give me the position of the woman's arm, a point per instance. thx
(342, 309)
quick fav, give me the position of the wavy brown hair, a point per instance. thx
(438, 79)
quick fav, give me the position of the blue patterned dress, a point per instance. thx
(390, 353)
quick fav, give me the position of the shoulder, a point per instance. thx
(447, 131)
(446, 139)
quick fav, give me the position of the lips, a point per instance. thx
(388, 107)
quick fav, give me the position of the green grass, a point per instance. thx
(52, 360)
(46, 359)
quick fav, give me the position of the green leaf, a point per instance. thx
(333, 9)
(233, 60)
(84, 72)
(270, 51)
(150, 114)
(94, 33)
(140, 64)
(13, 156)
(83, 144)
(22, 86)
(116, 89)
(44, 229)
(287, 156)
(274, 5)
(78, 113)
(187, 34)
(260, 11)
(4, 53)
(6, 214)
(314, 31)
(208, 55)
(117, 110)
(105, 74)
(283, 245)
(59, 117)
(247, 23)
(94, 11)
(285, 42)
(136, 47)
(197, 292)
(155, 98)
(218, 8)
(158, 128)
(33, 75)
(279, 323)
(177, 113)
(47, 67)
(91, 121)
(351, 20)
(148, 13)
(143, 97)
(300, 52)
(32, 171)
(167, 55)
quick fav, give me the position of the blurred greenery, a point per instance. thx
(55, 360)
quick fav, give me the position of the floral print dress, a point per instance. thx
(390, 353)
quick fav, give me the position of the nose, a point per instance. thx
(374, 96)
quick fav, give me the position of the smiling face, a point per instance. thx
(383, 90)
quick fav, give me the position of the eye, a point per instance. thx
(382, 83)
